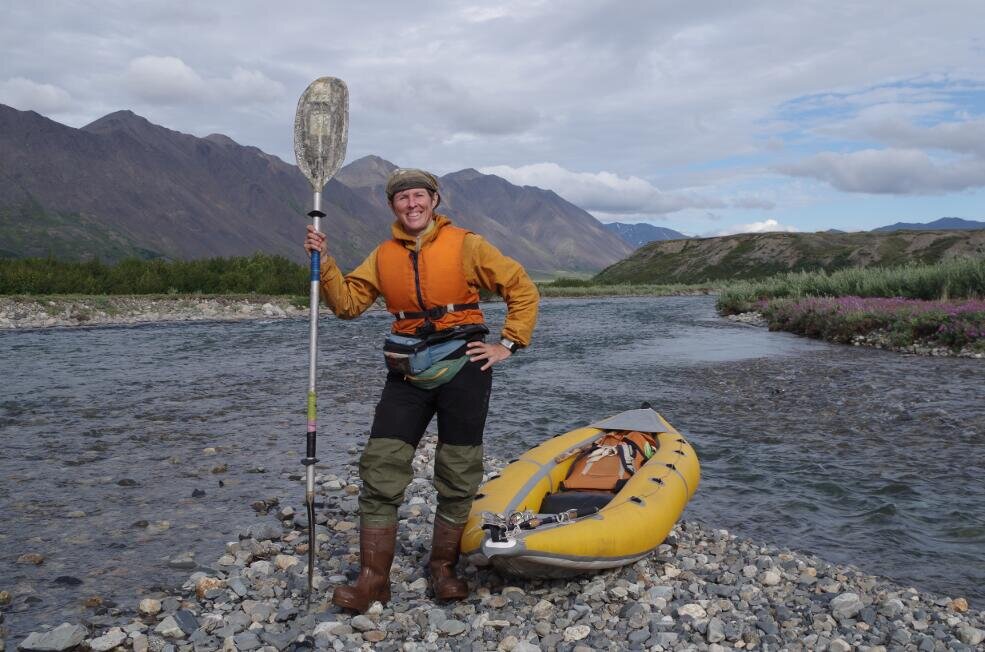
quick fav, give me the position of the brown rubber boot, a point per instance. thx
(376, 549)
(445, 546)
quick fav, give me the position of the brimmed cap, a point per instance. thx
(407, 178)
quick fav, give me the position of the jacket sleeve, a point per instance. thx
(350, 295)
(488, 268)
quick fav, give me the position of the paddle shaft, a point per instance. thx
(311, 437)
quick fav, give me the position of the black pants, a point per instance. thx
(404, 411)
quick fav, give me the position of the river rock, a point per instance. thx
(846, 605)
(970, 635)
(206, 584)
(283, 562)
(452, 627)
(184, 560)
(108, 641)
(576, 632)
(64, 637)
(33, 558)
(693, 610)
(169, 628)
(149, 606)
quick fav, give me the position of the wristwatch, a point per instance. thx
(509, 345)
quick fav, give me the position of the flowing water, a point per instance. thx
(861, 456)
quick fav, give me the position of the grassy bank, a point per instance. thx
(959, 278)
(939, 305)
(574, 287)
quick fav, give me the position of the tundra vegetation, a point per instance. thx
(941, 304)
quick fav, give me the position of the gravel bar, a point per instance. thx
(702, 589)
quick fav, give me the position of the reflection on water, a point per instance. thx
(858, 455)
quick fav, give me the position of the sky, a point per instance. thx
(709, 118)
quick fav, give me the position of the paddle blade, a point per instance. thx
(321, 130)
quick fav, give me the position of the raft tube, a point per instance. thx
(632, 524)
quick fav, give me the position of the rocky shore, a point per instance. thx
(703, 589)
(113, 310)
(877, 339)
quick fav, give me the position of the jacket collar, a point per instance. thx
(404, 238)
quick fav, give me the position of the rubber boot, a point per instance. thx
(376, 549)
(445, 546)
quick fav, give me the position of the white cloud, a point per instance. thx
(249, 86)
(766, 226)
(167, 80)
(28, 95)
(604, 192)
(890, 171)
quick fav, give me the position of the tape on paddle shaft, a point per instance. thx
(315, 265)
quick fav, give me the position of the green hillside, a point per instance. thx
(758, 255)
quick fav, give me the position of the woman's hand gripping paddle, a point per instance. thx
(321, 131)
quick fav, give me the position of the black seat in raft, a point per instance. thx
(583, 501)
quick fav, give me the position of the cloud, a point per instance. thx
(249, 86)
(167, 80)
(890, 171)
(449, 107)
(603, 192)
(766, 226)
(28, 95)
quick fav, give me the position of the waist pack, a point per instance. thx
(412, 356)
(610, 461)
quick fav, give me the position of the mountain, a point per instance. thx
(637, 235)
(944, 223)
(757, 255)
(123, 186)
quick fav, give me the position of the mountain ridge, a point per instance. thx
(151, 191)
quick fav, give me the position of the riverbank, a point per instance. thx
(702, 589)
(120, 310)
(870, 333)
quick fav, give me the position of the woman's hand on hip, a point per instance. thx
(491, 353)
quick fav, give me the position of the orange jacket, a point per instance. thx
(483, 265)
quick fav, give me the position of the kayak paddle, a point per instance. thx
(321, 131)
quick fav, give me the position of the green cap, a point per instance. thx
(407, 178)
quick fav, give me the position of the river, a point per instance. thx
(858, 455)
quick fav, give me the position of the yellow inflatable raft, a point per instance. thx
(507, 528)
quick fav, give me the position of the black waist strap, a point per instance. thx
(435, 313)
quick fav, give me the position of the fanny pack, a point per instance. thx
(412, 356)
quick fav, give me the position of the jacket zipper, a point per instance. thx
(417, 276)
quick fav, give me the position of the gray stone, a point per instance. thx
(436, 617)
(716, 630)
(452, 627)
(237, 586)
(169, 628)
(263, 530)
(63, 637)
(970, 635)
(108, 641)
(846, 605)
(246, 641)
(185, 560)
(362, 623)
(186, 621)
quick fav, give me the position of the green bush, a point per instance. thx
(256, 274)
